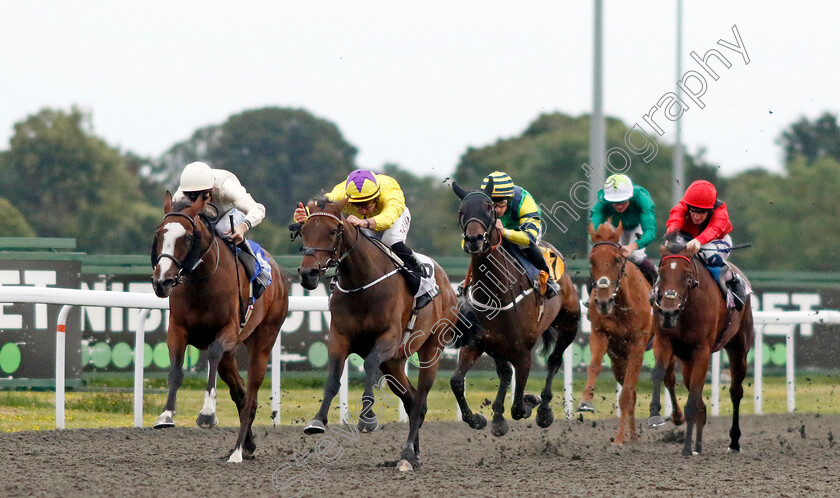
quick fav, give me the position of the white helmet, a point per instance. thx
(196, 177)
(618, 188)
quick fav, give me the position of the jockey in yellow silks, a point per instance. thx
(377, 206)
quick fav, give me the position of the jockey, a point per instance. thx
(377, 206)
(702, 220)
(225, 197)
(622, 201)
(519, 219)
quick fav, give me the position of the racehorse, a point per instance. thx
(510, 316)
(207, 291)
(622, 324)
(693, 322)
(370, 308)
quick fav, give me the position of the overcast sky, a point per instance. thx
(416, 83)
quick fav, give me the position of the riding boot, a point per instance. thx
(535, 256)
(249, 262)
(739, 290)
(649, 271)
(414, 269)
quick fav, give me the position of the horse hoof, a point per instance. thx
(545, 417)
(314, 427)
(164, 421)
(500, 428)
(404, 466)
(733, 450)
(206, 421)
(531, 400)
(236, 456)
(586, 406)
(656, 421)
(477, 422)
(367, 427)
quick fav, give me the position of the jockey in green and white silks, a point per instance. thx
(520, 220)
(622, 201)
(226, 198)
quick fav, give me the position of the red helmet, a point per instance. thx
(701, 194)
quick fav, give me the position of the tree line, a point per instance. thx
(58, 179)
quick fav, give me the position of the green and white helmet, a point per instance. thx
(618, 188)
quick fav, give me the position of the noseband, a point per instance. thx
(331, 251)
(485, 225)
(671, 293)
(182, 272)
(605, 282)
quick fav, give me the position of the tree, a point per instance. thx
(812, 140)
(70, 183)
(282, 156)
(548, 160)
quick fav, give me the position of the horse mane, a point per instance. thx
(181, 205)
(670, 245)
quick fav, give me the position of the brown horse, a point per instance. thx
(207, 290)
(692, 323)
(370, 310)
(510, 317)
(622, 324)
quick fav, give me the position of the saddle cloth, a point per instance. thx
(427, 284)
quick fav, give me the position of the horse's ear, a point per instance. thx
(591, 230)
(488, 189)
(167, 202)
(460, 192)
(619, 230)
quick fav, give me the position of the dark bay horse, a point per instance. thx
(622, 324)
(511, 317)
(692, 323)
(370, 310)
(206, 289)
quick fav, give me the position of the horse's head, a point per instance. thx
(607, 266)
(677, 276)
(322, 238)
(476, 218)
(176, 248)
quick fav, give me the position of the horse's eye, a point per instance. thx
(333, 232)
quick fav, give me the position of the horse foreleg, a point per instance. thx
(467, 356)
(523, 403)
(545, 417)
(338, 352)
(256, 374)
(627, 400)
(597, 348)
(695, 411)
(382, 351)
(500, 425)
(207, 416)
(738, 370)
(677, 416)
(662, 354)
(229, 373)
(177, 345)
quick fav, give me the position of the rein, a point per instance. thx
(184, 274)
(333, 262)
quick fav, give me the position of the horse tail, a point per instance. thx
(549, 339)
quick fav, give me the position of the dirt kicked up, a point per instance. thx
(782, 455)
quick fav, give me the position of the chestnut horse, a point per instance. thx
(622, 324)
(207, 290)
(692, 323)
(370, 309)
(511, 317)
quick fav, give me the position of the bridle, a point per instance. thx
(183, 273)
(331, 251)
(673, 294)
(487, 226)
(604, 282)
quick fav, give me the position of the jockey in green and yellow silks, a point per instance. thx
(520, 221)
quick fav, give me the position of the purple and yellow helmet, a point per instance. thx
(361, 186)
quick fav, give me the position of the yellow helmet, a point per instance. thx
(361, 186)
(502, 184)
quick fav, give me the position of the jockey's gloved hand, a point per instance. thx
(693, 246)
(237, 236)
(300, 213)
